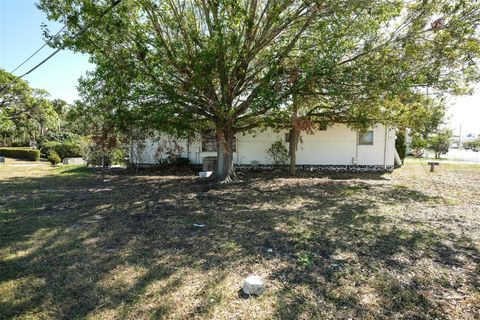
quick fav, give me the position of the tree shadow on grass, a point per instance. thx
(129, 247)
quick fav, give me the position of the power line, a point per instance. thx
(56, 34)
(79, 33)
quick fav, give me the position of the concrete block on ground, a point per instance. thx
(253, 285)
(205, 174)
(73, 161)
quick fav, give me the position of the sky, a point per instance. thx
(464, 111)
(21, 35)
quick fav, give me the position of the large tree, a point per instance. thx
(233, 64)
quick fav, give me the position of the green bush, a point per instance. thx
(401, 144)
(278, 152)
(176, 162)
(47, 146)
(53, 158)
(21, 153)
(181, 162)
(67, 149)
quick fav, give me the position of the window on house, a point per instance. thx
(365, 138)
(209, 141)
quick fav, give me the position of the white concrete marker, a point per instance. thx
(205, 174)
(73, 161)
(253, 285)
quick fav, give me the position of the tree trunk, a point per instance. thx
(225, 169)
(293, 139)
(293, 144)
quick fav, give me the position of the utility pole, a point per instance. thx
(460, 138)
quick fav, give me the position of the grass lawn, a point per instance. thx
(75, 243)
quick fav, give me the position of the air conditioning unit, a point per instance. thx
(209, 163)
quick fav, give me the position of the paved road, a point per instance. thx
(463, 155)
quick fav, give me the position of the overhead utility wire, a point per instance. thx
(79, 33)
(63, 28)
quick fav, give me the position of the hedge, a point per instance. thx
(17, 144)
(20, 153)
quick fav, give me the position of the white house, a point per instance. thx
(336, 148)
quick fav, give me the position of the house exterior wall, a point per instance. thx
(338, 145)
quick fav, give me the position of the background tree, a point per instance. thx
(101, 144)
(15, 99)
(182, 64)
(475, 145)
(418, 144)
(24, 112)
(61, 108)
(440, 142)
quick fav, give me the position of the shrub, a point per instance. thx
(168, 152)
(180, 162)
(53, 158)
(401, 145)
(47, 146)
(169, 155)
(66, 149)
(278, 152)
(21, 153)
(175, 162)
(69, 149)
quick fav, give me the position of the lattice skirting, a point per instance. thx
(302, 167)
(317, 168)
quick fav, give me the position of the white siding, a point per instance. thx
(379, 152)
(335, 146)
